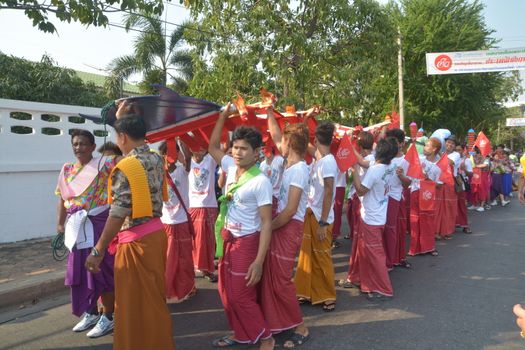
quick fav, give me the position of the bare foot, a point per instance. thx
(299, 337)
(519, 311)
(267, 344)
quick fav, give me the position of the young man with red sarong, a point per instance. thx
(180, 273)
(278, 294)
(423, 202)
(82, 191)
(464, 173)
(245, 222)
(138, 189)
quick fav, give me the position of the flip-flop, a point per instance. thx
(212, 278)
(226, 342)
(467, 230)
(329, 307)
(297, 339)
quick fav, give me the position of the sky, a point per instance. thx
(90, 49)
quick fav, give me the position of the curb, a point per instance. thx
(29, 290)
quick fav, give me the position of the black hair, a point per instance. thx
(500, 146)
(453, 139)
(324, 133)
(365, 140)
(386, 150)
(249, 134)
(131, 125)
(163, 148)
(110, 146)
(398, 134)
(85, 133)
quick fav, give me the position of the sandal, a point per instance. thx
(405, 264)
(377, 296)
(296, 339)
(347, 284)
(329, 306)
(447, 238)
(467, 230)
(347, 237)
(302, 301)
(336, 244)
(224, 342)
(211, 277)
(434, 253)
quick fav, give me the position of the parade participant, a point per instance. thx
(203, 211)
(499, 166)
(447, 198)
(273, 166)
(464, 173)
(374, 189)
(246, 228)
(278, 294)
(314, 277)
(340, 188)
(393, 240)
(109, 149)
(180, 273)
(480, 184)
(422, 217)
(138, 188)
(82, 191)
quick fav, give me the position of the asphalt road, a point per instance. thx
(461, 299)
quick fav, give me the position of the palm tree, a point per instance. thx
(160, 58)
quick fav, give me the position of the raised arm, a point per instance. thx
(187, 155)
(275, 130)
(215, 139)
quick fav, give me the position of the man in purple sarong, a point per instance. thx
(82, 213)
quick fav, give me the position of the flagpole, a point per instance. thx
(400, 81)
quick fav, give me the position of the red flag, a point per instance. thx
(345, 156)
(446, 170)
(414, 165)
(483, 143)
(427, 195)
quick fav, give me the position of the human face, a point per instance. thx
(429, 149)
(243, 154)
(450, 146)
(198, 156)
(459, 149)
(83, 149)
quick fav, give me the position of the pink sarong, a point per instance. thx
(447, 210)
(422, 229)
(240, 302)
(180, 273)
(203, 220)
(278, 293)
(461, 217)
(353, 270)
(390, 236)
(338, 211)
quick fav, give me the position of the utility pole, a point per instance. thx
(400, 81)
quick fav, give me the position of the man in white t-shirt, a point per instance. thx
(273, 166)
(246, 230)
(464, 172)
(314, 278)
(180, 273)
(203, 211)
(374, 187)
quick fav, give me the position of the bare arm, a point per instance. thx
(275, 130)
(521, 187)
(61, 215)
(187, 155)
(405, 181)
(221, 181)
(294, 196)
(360, 189)
(253, 276)
(215, 139)
(328, 192)
(112, 227)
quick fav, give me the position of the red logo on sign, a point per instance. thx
(443, 62)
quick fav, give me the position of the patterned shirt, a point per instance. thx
(121, 206)
(96, 194)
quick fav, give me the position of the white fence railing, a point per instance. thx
(30, 163)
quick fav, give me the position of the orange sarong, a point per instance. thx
(314, 278)
(143, 320)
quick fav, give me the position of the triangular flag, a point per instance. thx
(446, 170)
(414, 165)
(345, 156)
(483, 143)
(395, 123)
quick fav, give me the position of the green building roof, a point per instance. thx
(99, 79)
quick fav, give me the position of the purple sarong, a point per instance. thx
(87, 287)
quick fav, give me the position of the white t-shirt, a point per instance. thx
(321, 169)
(374, 203)
(297, 175)
(362, 171)
(395, 185)
(172, 211)
(341, 179)
(456, 158)
(431, 169)
(274, 172)
(243, 216)
(202, 183)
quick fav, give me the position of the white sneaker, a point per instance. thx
(480, 209)
(87, 321)
(471, 207)
(494, 202)
(103, 326)
(504, 203)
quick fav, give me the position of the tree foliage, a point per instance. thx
(44, 81)
(84, 11)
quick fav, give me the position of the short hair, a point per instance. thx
(436, 143)
(324, 133)
(163, 148)
(298, 136)
(131, 125)
(500, 146)
(453, 139)
(249, 134)
(365, 140)
(84, 133)
(110, 146)
(398, 134)
(386, 150)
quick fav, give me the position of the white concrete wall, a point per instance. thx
(30, 164)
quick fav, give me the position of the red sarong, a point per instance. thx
(421, 228)
(240, 302)
(180, 273)
(353, 269)
(338, 211)
(447, 210)
(461, 217)
(390, 236)
(400, 250)
(372, 260)
(277, 290)
(204, 241)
